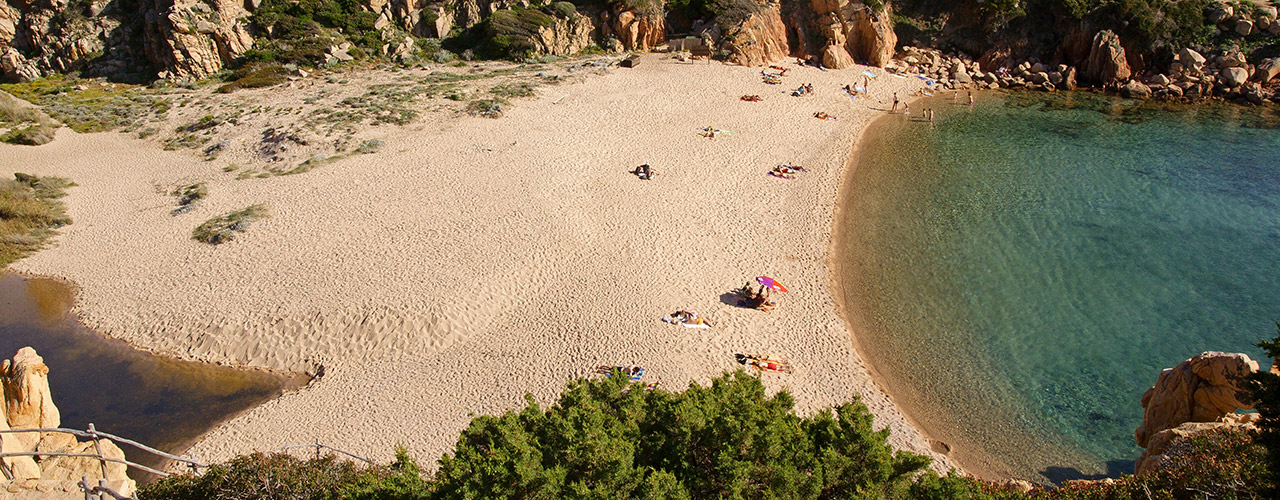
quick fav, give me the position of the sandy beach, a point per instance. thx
(474, 260)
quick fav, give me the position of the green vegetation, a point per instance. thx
(254, 75)
(611, 438)
(222, 229)
(188, 196)
(30, 135)
(491, 108)
(90, 105)
(272, 477)
(508, 33)
(29, 214)
(1158, 26)
(1266, 391)
(514, 89)
(302, 30)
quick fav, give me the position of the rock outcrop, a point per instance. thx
(872, 38)
(29, 404)
(841, 32)
(567, 36)
(634, 29)
(196, 38)
(1201, 389)
(1159, 443)
(1106, 64)
(758, 40)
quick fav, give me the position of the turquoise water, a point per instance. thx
(1022, 270)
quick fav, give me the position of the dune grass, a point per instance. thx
(223, 228)
(29, 214)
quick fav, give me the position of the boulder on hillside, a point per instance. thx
(1191, 59)
(531, 33)
(1234, 77)
(872, 38)
(1266, 70)
(1244, 27)
(866, 33)
(1107, 64)
(836, 57)
(1135, 90)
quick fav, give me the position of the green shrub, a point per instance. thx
(31, 135)
(513, 89)
(29, 214)
(509, 32)
(276, 476)
(611, 438)
(222, 229)
(255, 75)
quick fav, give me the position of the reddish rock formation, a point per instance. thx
(759, 40)
(840, 32)
(635, 30)
(871, 38)
(1106, 64)
(1201, 389)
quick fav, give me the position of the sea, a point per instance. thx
(1018, 272)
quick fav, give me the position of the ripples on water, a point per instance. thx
(1022, 270)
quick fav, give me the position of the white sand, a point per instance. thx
(474, 260)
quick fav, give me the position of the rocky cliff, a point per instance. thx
(1199, 394)
(140, 40)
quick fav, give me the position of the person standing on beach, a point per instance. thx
(895, 103)
(971, 98)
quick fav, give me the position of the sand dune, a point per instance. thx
(474, 260)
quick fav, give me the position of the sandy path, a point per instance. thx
(475, 260)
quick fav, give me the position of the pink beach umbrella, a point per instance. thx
(769, 282)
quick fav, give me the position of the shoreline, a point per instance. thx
(938, 439)
(528, 214)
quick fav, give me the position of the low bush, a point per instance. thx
(255, 75)
(270, 477)
(29, 214)
(30, 135)
(223, 228)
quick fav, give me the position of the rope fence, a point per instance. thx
(101, 491)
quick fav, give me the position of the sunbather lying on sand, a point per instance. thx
(644, 172)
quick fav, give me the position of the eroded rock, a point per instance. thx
(1201, 389)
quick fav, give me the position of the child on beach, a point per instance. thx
(971, 98)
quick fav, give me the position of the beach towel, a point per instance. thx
(695, 325)
(869, 74)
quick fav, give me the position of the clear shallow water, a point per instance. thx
(1022, 270)
(158, 401)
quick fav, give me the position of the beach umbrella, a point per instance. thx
(770, 283)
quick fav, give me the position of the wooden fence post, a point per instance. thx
(97, 448)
